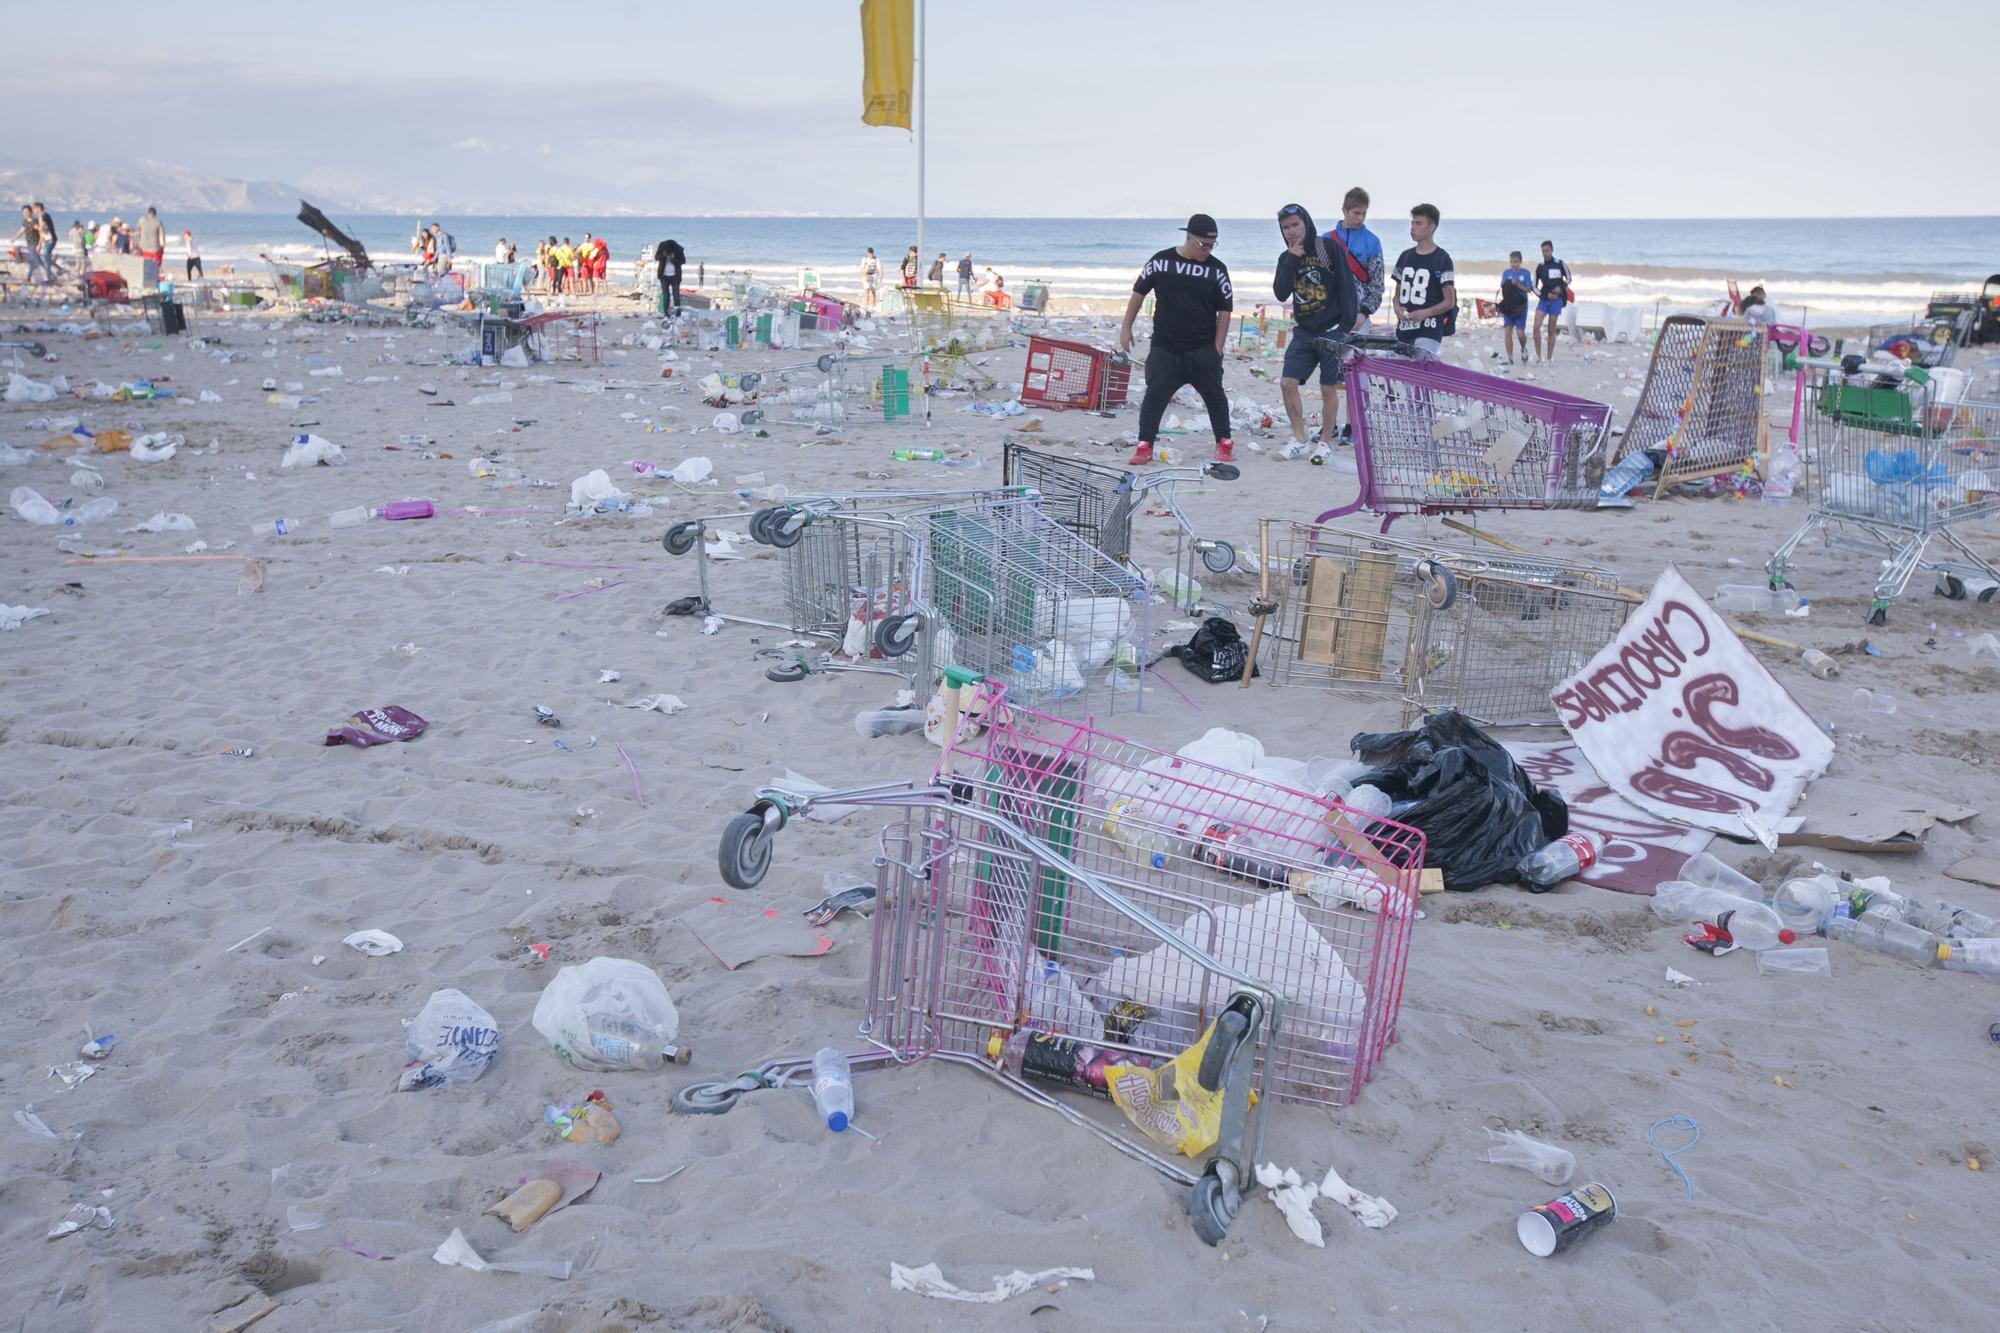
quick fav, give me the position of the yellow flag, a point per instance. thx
(888, 47)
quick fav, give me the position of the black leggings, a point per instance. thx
(1167, 371)
(194, 267)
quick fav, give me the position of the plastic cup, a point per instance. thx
(1875, 701)
(1705, 870)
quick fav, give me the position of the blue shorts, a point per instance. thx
(1303, 355)
(1550, 307)
(1519, 321)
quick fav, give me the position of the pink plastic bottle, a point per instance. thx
(407, 509)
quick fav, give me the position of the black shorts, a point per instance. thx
(1303, 354)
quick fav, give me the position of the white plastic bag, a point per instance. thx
(450, 1041)
(23, 390)
(693, 471)
(591, 487)
(1508, 1147)
(306, 450)
(608, 1013)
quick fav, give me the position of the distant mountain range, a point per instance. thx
(128, 189)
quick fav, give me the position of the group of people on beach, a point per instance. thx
(989, 288)
(37, 239)
(1336, 281)
(571, 268)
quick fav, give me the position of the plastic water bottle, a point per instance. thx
(1982, 956)
(833, 1088)
(349, 518)
(1565, 858)
(397, 510)
(1755, 597)
(278, 527)
(1957, 923)
(90, 511)
(918, 455)
(1880, 933)
(1630, 473)
(1142, 845)
(1750, 925)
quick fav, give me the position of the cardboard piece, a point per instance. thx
(1845, 815)
(1977, 870)
(738, 933)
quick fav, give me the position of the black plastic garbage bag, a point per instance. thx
(1216, 653)
(1480, 814)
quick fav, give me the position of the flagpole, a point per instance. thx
(923, 35)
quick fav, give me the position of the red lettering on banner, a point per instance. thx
(1702, 694)
(1656, 782)
(1684, 749)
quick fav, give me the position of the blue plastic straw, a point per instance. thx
(1678, 1122)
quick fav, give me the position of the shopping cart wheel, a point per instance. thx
(681, 537)
(757, 522)
(1211, 1208)
(1441, 585)
(1219, 557)
(1222, 471)
(784, 528)
(745, 853)
(897, 634)
(790, 673)
(1952, 586)
(706, 1098)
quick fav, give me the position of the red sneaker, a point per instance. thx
(1225, 451)
(1140, 456)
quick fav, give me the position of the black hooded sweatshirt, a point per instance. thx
(1319, 285)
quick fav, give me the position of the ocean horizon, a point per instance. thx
(1839, 270)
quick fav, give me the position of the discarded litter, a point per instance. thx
(553, 1188)
(377, 726)
(547, 716)
(451, 1041)
(1294, 1198)
(1794, 962)
(374, 943)
(660, 703)
(833, 1088)
(73, 1073)
(1368, 1210)
(587, 1121)
(34, 1124)
(1562, 1222)
(929, 1281)
(13, 617)
(80, 1217)
(310, 450)
(838, 901)
(99, 1048)
(457, 1250)
(165, 522)
(607, 1014)
(1507, 1147)
(1680, 1122)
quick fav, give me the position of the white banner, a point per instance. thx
(1679, 719)
(1640, 851)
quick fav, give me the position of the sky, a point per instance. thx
(1039, 108)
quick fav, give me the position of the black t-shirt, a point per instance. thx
(1187, 296)
(1551, 280)
(1420, 281)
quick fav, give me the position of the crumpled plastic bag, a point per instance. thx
(692, 471)
(21, 389)
(309, 450)
(727, 422)
(515, 357)
(157, 447)
(450, 1041)
(457, 1251)
(165, 522)
(587, 490)
(1168, 1104)
(929, 1281)
(13, 617)
(1479, 812)
(608, 1013)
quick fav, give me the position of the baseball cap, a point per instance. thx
(1201, 224)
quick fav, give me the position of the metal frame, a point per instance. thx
(1901, 468)
(1089, 499)
(1702, 406)
(1486, 633)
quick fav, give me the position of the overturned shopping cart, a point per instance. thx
(1430, 438)
(1701, 408)
(1110, 907)
(1486, 632)
(1893, 468)
(1089, 499)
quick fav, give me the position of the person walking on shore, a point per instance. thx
(670, 261)
(152, 247)
(48, 225)
(1314, 277)
(965, 276)
(1516, 285)
(30, 237)
(1192, 300)
(1426, 287)
(193, 255)
(909, 267)
(79, 240)
(936, 276)
(1552, 286)
(871, 279)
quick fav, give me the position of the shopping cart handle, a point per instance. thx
(1361, 342)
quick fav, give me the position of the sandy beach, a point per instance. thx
(194, 902)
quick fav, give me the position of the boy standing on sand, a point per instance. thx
(1366, 247)
(1516, 283)
(871, 279)
(965, 277)
(1552, 286)
(1426, 287)
(1314, 277)
(1191, 304)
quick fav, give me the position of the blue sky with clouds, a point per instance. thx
(1041, 108)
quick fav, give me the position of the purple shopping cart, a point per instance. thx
(1434, 439)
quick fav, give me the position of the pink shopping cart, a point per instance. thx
(1120, 906)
